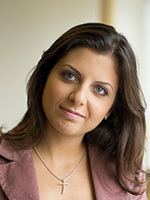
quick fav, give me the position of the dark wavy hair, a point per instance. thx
(122, 135)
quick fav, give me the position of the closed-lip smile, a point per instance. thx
(73, 112)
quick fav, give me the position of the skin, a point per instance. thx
(79, 93)
(90, 92)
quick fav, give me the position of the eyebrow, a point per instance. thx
(72, 68)
(79, 74)
(105, 83)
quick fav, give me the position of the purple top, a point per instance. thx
(18, 179)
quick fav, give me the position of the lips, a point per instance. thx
(73, 112)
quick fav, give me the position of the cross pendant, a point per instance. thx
(63, 184)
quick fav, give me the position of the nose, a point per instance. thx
(79, 95)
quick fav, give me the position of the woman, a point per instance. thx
(82, 136)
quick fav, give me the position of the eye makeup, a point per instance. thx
(101, 90)
(69, 73)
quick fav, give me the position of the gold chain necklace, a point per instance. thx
(63, 180)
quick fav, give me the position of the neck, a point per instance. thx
(61, 148)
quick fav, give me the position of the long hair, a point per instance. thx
(122, 135)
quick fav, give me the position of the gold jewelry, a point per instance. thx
(63, 180)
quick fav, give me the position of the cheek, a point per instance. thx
(99, 110)
(98, 114)
(53, 93)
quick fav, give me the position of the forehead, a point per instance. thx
(91, 63)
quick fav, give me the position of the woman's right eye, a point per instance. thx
(70, 76)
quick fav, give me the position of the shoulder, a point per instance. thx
(100, 160)
(104, 173)
(8, 153)
(16, 171)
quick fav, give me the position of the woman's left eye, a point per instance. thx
(101, 90)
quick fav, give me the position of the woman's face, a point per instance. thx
(79, 92)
